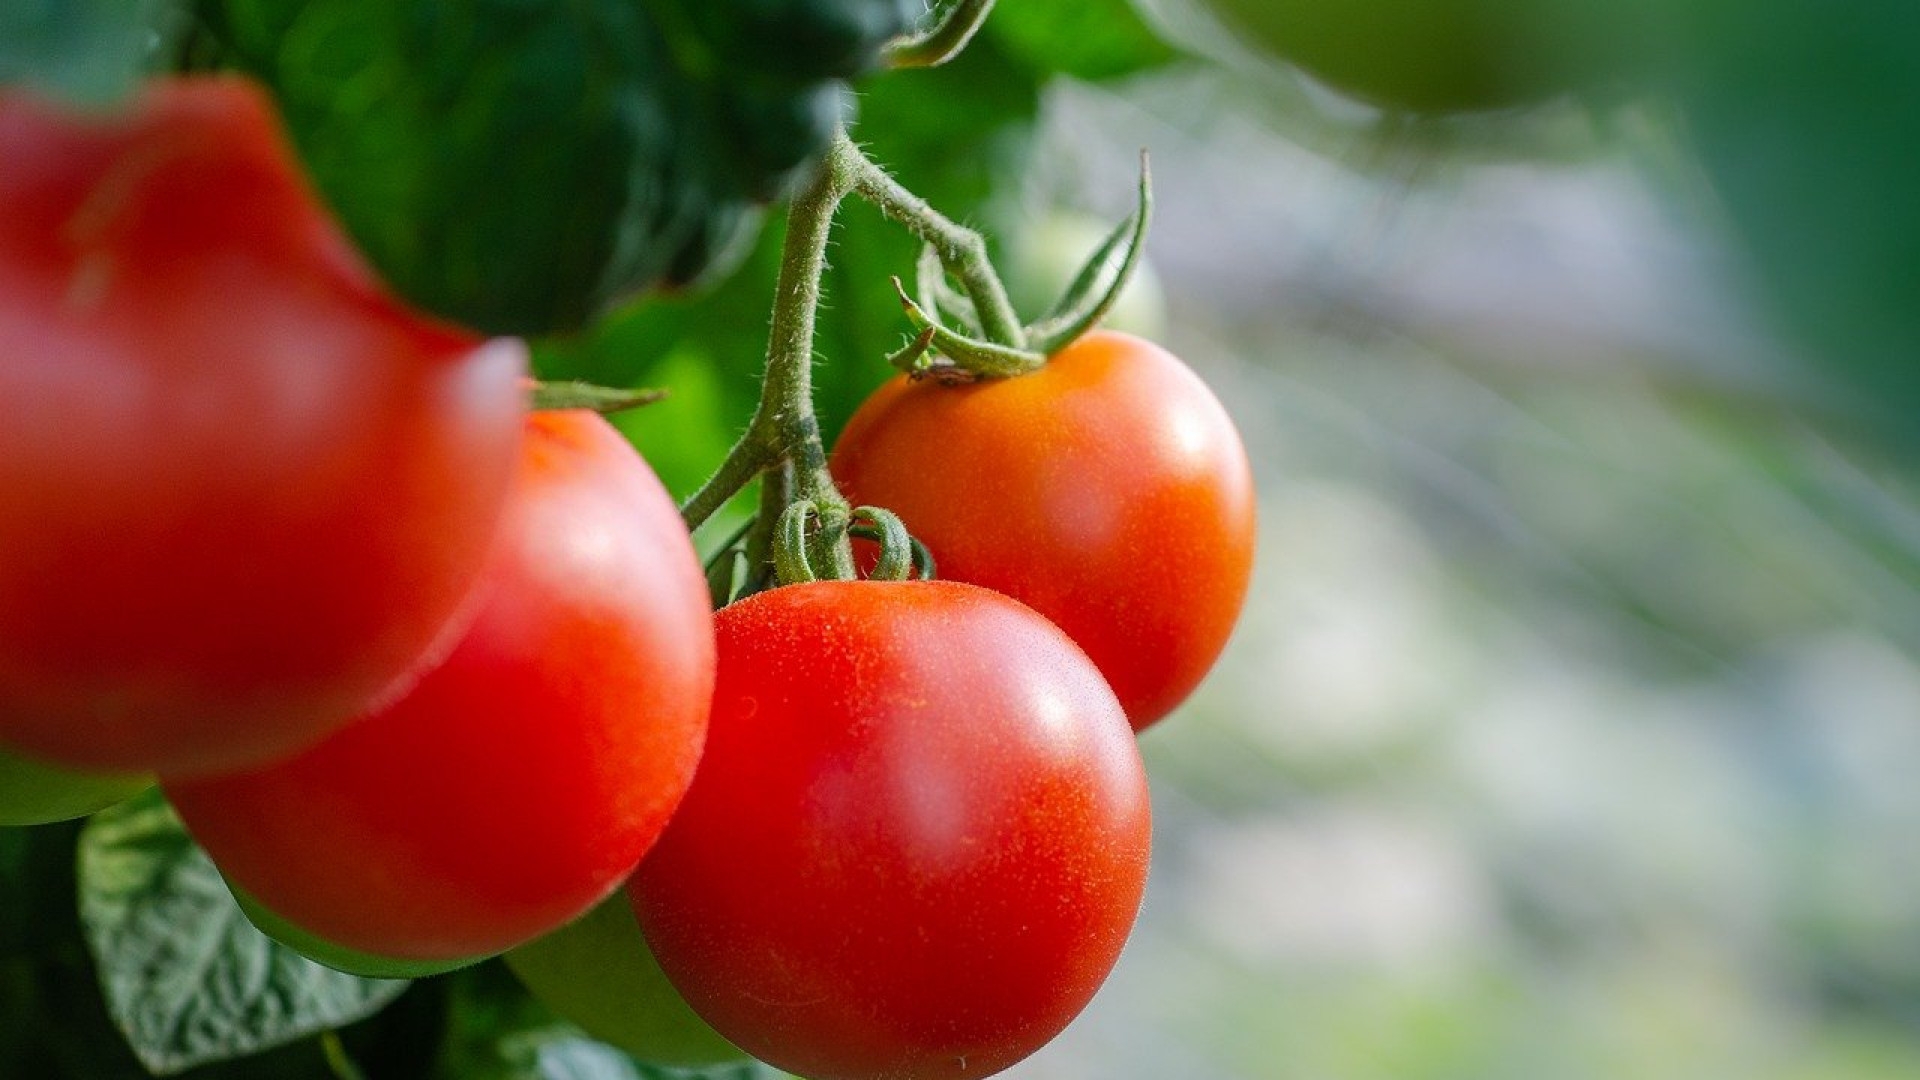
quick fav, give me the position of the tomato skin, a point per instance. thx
(520, 782)
(1108, 491)
(916, 843)
(338, 957)
(242, 491)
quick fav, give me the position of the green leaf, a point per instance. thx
(1803, 121)
(519, 165)
(1091, 39)
(89, 50)
(186, 977)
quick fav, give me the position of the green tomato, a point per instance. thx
(1044, 257)
(599, 973)
(1437, 56)
(339, 957)
(34, 793)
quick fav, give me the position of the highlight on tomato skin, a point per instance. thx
(519, 783)
(917, 841)
(244, 493)
(1109, 491)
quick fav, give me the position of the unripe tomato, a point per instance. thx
(242, 491)
(519, 782)
(916, 843)
(34, 793)
(1108, 491)
(1439, 56)
(600, 973)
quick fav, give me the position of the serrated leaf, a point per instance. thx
(186, 977)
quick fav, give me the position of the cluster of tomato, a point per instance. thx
(428, 674)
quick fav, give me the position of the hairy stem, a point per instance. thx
(783, 427)
(784, 434)
(962, 251)
(944, 40)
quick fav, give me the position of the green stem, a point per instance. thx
(783, 426)
(744, 462)
(784, 432)
(962, 251)
(338, 1060)
(942, 42)
(776, 491)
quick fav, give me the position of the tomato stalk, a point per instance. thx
(961, 250)
(942, 41)
(784, 433)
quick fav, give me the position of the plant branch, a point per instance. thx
(944, 40)
(783, 427)
(962, 251)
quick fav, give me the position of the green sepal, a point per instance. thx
(605, 400)
(1100, 282)
(972, 356)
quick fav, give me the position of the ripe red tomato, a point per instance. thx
(518, 783)
(242, 490)
(916, 843)
(1109, 491)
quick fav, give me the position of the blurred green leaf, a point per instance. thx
(89, 50)
(186, 977)
(1091, 40)
(1805, 123)
(520, 165)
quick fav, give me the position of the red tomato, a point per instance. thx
(520, 782)
(1109, 491)
(916, 843)
(242, 490)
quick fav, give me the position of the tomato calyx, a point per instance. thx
(954, 356)
(605, 400)
(902, 555)
(796, 545)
